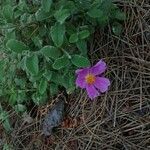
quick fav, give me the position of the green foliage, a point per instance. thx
(61, 62)
(46, 5)
(8, 13)
(82, 47)
(117, 28)
(4, 119)
(61, 15)
(7, 147)
(51, 51)
(42, 86)
(16, 46)
(73, 38)
(32, 64)
(80, 61)
(84, 34)
(57, 34)
(95, 12)
(44, 42)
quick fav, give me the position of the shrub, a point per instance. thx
(44, 42)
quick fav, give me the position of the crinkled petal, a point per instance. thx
(80, 82)
(79, 70)
(99, 68)
(102, 84)
(82, 72)
(91, 91)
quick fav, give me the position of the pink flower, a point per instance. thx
(92, 80)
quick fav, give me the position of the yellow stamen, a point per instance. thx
(90, 78)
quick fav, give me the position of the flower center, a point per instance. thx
(90, 78)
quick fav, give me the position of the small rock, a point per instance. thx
(53, 118)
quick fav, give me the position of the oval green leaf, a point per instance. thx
(61, 62)
(95, 12)
(42, 15)
(82, 46)
(16, 46)
(46, 5)
(84, 34)
(42, 86)
(32, 64)
(57, 34)
(51, 51)
(61, 15)
(53, 89)
(73, 38)
(80, 61)
(8, 13)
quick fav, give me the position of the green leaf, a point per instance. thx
(61, 62)
(80, 61)
(37, 41)
(56, 78)
(20, 108)
(22, 63)
(13, 98)
(95, 12)
(102, 21)
(70, 5)
(5, 121)
(48, 75)
(69, 83)
(73, 38)
(70, 28)
(51, 51)
(20, 82)
(10, 34)
(16, 46)
(22, 6)
(7, 2)
(36, 78)
(27, 19)
(42, 86)
(106, 6)
(84, 34)
(32, 64)
(119, 15)
(8, 13)
(82, 46)
(46, 5)
(21, 96)
(42, 31)
(42, 15)
(61, 15)
(2, 64)
(7, 126)
(7, 147)
(39, 99)
(57, 34)
(53, 89)
(117, 28)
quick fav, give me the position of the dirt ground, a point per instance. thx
(117, 120)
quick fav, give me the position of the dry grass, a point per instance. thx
(119, 119)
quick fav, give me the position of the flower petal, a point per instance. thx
(102, 84)
(82, 72)
(99, 68)
(80, 82)
(91, 91)
(79, 70)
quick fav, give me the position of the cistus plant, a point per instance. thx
(43, 42)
